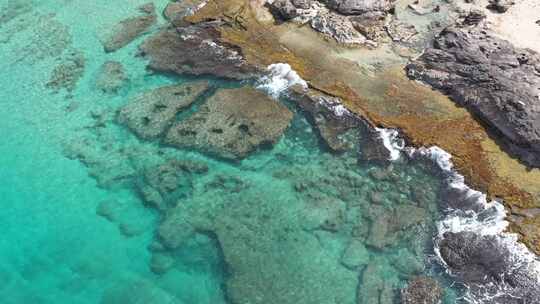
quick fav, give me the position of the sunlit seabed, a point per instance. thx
(55, 248)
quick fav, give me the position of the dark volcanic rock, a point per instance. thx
(474, 258)
(422, 290)
(232, 123)
(285, 9)
(129, 29)
(499, 83)
(194, 50)
(487, 265)
(150, 114)
(359, 7)
(500, 6)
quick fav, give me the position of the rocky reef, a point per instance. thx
(112, 77)
(498, 82)
(151, 114)
(232, 123)
(424, 117)
(195, 50)
(129, 29)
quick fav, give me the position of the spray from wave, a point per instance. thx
(472, 243)
(280, 77)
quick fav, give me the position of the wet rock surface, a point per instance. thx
(150, 114)
(112, 76)
(331, 119)
(499, 83)
(500, 6)
(129, 29)
(479, 260)
(176, 11)
(333, 20)
(232, 123)
(422, 290)
(195, 50)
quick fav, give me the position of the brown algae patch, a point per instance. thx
(386, 98)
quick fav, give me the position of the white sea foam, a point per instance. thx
(280, 77)
(483, 217)
(487, 218)
(392, 142)
(334, 105)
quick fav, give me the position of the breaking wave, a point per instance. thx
(280, 77)
(516, 277)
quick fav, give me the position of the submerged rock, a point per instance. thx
(129, 29)
(329, 116)
(164, 185)
(232, 123)
(66, 75)
(176, 11)
(13, 9)
(422, 290)
(499, 83)
(195, 50)
(150, 114)
(137, 291)
(373, 289)
(356, 255)
(112, 77)
(270, 257)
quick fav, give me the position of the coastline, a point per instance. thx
(425, 117)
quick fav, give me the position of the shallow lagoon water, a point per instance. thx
(65, 163)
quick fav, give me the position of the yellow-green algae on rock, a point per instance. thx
(386, 98)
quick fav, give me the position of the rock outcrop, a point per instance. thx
(500, 6)
(129, 29)
(176, 11)
(195, 50)
(478, 260)
(360, 7)
(232, 123)
(336, 19)
(499, 83)
(150, 114)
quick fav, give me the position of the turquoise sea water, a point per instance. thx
(274, 228)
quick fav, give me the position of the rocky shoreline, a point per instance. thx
(250, 35)
(488, 115)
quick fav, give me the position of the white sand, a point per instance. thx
(517, 25)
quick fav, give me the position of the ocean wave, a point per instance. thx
(498, 268)
(280, 77)
(511, 272)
